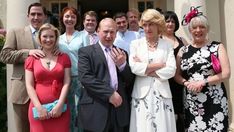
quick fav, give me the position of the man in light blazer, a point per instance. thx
(19, 44)
(104, 107)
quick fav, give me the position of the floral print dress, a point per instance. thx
(206, 111)
(153, 113)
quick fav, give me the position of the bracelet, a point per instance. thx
(206, 82)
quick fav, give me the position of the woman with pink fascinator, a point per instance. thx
(206, 102)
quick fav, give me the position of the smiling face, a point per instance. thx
(36, 17)
(90, 23)
(122, 24)
(69, 19)
(199, 29)
(199, 33)
(47, 39)
(133, 19)
(170, 26)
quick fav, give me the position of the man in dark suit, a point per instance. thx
(104, 105)
(19, 44)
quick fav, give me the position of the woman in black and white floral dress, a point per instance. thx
(206, 103)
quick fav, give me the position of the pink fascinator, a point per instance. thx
(193, 13)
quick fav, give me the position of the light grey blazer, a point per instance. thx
(165, 53)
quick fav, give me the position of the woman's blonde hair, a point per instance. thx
(48, 26)
(153, 16)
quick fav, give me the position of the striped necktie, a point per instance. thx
(36, 45)
(92, 39)
(112, 69)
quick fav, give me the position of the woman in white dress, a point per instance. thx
(152, 60)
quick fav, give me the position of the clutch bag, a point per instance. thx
(215, 64)
(48, 107)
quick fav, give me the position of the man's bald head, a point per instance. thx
(107, 31)
(106, 21)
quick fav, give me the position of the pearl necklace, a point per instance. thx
(152, 45)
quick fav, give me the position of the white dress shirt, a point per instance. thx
(123, 40)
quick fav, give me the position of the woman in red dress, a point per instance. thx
(47, 80)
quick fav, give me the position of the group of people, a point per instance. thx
(125, 74)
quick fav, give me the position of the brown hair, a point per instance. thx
(74, 11)
(37, 5)
(90, 13)
(134, 11)
(119, 15)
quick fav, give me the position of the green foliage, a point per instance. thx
(3, 92)
(2, 40)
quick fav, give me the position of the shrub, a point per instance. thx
(3, 92)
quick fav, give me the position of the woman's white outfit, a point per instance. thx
(152, 108)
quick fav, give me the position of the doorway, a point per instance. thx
(104, 8)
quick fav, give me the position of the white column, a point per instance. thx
(227, 28)
(170, 5)
(16, 17)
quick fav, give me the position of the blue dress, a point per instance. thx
(71, 48)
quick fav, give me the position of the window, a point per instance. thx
(57, 7)
(142, 5)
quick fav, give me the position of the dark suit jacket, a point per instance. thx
(94, 100)
(13, 52)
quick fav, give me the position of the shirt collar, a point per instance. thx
(122, 34)
(95, 33)
(33, 30)
(104, 47)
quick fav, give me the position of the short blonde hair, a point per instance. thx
(152, 15)
(200, 19)
(48, 26)
(134, 11)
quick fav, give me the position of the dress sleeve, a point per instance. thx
(66, 61)
(29, 63)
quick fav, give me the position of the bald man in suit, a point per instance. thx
(19, 44)
(104, 105)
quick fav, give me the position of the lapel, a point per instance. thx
(143, 50)
(85, 38)
(100, 53)
(28, 38)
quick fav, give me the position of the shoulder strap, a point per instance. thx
(215, 42)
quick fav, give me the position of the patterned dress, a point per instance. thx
(206, 111)
(153, 113)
